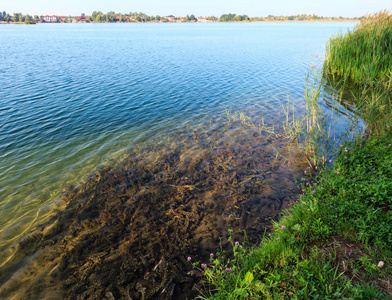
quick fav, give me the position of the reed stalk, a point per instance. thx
(364, 54)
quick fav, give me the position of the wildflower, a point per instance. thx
(212, 255)
(283, 227)
(278, 239)
(345, 157)
(189, 258)
(346, 150)
(237, 243)
(330, 160)
(305, 171)
(241, 246)
(341, 145)
(314, 192)
(315, 167)
(228, 270)
(389, 144)
(204, 265)
(338, 172)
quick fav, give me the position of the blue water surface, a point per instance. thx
(75, 95)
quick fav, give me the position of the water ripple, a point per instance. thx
(73, 97)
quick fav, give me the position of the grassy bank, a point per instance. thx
(336, 241)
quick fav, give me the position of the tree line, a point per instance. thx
(17, 17)
(113, 17)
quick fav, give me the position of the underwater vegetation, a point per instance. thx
(128, 230)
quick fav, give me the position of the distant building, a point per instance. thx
(171, 18)
(50, 19)
(204, 19)
(78, 19)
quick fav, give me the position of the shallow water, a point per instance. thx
(128, 228)
(76, 96)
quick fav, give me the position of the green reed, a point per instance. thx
(313, 133)
(361, 61)
(364, 54)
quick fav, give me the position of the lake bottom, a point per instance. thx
(127, 230)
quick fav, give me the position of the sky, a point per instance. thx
(252, 8)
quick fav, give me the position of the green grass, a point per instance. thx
(346, 207)
(364, 54)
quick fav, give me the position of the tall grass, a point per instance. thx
(361, 60)
(313, 133)
(364, 54)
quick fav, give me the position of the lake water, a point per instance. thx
(74, 96)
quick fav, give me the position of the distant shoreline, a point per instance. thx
(266, 21)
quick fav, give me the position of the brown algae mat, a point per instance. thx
(128, 229)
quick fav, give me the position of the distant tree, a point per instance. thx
(7, 18)
(238, 18)
(157, 18)
(36, 18)
(211, 18)
(26, 18)
(227, 18)
(98, 18)
(192, 17)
